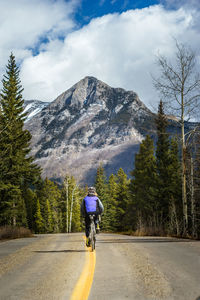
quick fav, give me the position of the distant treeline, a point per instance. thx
(148, 203)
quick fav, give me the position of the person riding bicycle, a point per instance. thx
(91, 204)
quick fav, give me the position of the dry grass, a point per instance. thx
(11, 232)
(147, 231)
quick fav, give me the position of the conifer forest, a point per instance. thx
(148, 201)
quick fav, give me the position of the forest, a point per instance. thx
(159, 197)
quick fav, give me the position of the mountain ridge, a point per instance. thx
(89, 124)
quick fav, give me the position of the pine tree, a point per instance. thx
(100, 182)
(30, 199)
(49, 191)
(16, 167)
(48, 219)
(143, 187)
(102, 191)
(76, 199)
(122, 200)
(112, 203)
(163, 163)
(39, 223)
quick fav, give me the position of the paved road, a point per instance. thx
(140, 268)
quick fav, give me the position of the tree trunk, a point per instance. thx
(67, 204)
(71, 210)
(183, 163)
(193, 209)
(14, 217)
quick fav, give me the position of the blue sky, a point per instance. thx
(91, 9)
(59, 42)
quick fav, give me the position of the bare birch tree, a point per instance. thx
(193, 148)
(71, 210)
(179, 86)
(66, 184)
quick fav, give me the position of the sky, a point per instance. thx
(58, 42)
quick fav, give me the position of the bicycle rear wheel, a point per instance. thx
(93, 239)
(93, 244)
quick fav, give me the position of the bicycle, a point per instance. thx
(92, 235)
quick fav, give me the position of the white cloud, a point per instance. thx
(181, 3)
(119, 49)
(23, 24)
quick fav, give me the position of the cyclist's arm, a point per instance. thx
(101, 206)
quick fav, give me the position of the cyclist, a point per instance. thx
(91, 204)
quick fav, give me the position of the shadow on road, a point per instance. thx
(58, 251)
(143, 240)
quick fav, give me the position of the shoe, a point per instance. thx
(98, 228)
(87, 242)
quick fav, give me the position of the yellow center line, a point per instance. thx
(84, 284)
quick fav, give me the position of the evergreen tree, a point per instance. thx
(163, 163)
(143, 187)
(75, 201)
(39, 224)
(16, 167)
(102, 191)
(48, 219)
(21, 213)
(49, 191)
(30, 199)
(122, 201)
(112, 203)
(100, 182)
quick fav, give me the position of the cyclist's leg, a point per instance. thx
(97, 223)
(95, 219)
(87, 229)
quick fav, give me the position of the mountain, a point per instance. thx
(89, 124)
(32, 107)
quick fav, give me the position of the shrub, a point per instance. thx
(12, 232)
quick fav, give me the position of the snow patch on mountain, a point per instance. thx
(33, 107)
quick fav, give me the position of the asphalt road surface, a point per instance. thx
(122, 267)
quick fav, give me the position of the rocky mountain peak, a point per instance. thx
(90, 91)
(89, 123)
